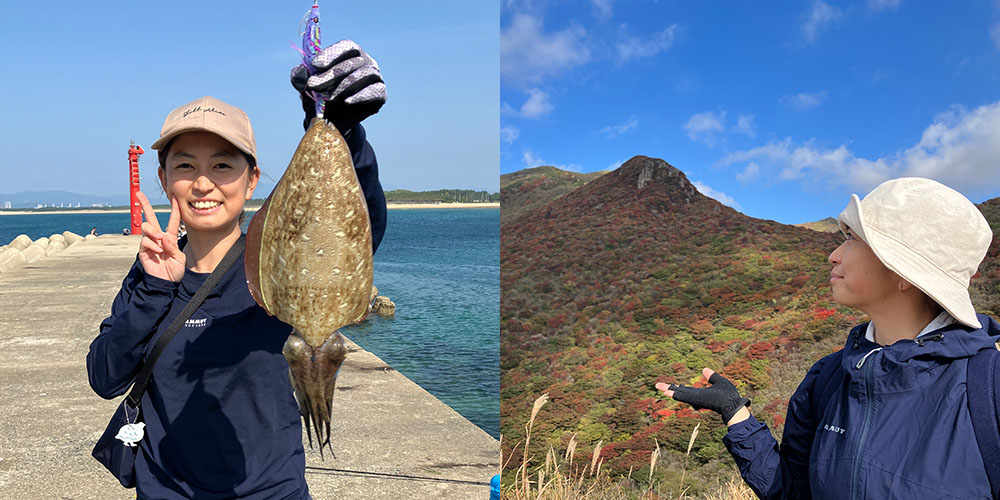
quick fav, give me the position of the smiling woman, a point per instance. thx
(219, 413)
(209, 178)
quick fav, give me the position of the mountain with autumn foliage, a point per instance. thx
(636, 278)
(529, 188)
(827, 225)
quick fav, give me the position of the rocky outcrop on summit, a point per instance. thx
(652, 168)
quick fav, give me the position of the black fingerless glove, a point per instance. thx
(722, 397)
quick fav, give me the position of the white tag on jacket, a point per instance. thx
(130, 434)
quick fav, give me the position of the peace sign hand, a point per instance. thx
(158, 251)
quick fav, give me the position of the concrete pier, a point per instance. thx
(393, 440)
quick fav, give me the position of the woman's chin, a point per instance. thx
(210, 224)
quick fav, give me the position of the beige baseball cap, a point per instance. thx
(210, 115)
(927, 233)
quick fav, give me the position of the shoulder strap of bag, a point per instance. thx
(984, 404)
(142, 379)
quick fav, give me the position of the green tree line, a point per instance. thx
(442, 195)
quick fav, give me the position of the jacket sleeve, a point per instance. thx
(773, 471)
(116, 354)
(366, 166)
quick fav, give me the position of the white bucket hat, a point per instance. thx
(928, 234)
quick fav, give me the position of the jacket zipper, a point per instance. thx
(867, 422)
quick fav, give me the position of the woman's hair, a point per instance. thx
(162, 158)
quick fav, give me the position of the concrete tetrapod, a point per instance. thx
(71, 238)
(21, 242)
(54, 247)
(11, 258)
(35, 251)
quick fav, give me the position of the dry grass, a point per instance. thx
(566, 480)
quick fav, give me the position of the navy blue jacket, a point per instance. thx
(896, 425)
(221, 420)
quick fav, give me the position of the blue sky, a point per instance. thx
(82, 78)
(779, 109)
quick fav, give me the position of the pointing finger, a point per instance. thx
(665, 389)
(147, 210)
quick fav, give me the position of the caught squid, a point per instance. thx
(309, 262)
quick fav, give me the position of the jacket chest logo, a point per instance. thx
(196, 323)
(833, 428)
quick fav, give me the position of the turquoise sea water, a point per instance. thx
(442, 269)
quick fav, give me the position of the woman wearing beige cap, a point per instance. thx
(220, 418)
(888, 416)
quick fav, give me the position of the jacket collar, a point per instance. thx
(898, 365)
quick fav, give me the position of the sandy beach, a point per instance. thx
(390, 206)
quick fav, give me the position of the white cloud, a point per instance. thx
(531, 161)
(509, 134)
(960, 148)
(685, 84)
(721, 197)
(612, 131)
(703, 126)
(528, 55)
(536, 106)
(803, 101)
(995, 35)
(750, 173)
(879, 5)
(631, 47)
(603, 8)
(821, 16)
(745, 125)
(614, 166)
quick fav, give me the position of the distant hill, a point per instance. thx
(827, 225)
(526, 189)
(31, 199)
(985, 286)
(636, 278)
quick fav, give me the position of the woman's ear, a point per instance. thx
(905, 286)
(252, 181)
(162, 174)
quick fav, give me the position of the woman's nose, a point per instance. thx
(203, 183)
(834, 257)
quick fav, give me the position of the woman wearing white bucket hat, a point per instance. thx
(888, 416)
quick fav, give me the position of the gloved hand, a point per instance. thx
(349, 81)
(722, 397)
